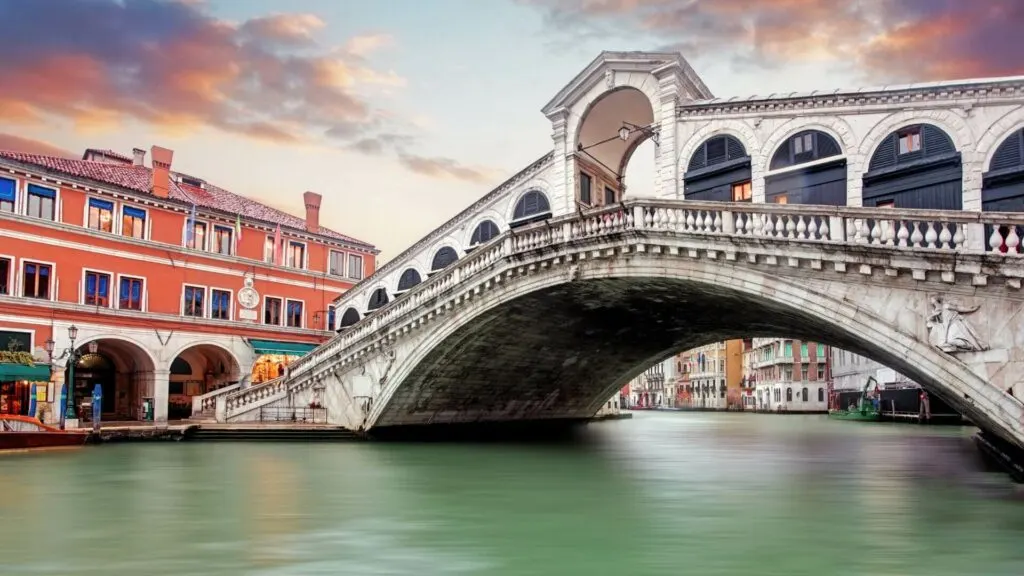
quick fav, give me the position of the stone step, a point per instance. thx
(276, 434)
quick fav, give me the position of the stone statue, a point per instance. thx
(949, 331)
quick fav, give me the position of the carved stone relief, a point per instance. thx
(948, 328)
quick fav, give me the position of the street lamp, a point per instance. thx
(69, 404)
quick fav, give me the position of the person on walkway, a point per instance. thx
(97, 406)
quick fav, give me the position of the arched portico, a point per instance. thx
(197, 370)
(124, 371)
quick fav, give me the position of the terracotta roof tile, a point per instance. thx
(108, 153)
(137, 178)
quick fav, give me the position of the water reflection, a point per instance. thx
(661, 494)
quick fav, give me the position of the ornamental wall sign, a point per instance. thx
(248, 297)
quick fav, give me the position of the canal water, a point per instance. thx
(661, 494)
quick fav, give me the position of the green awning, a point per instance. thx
(36, 373)
(275, 347)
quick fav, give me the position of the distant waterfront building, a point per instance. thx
(790, 375)
(174, 287)
(851, 372)
(712, 376)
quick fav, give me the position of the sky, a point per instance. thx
(402, 112)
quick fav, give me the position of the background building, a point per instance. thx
(790, 375)
(851, 372)
(155, 284)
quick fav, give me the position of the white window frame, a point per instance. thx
(263, 309)
(144, 305)
(349, 266)
(233, 249)
(114, 227)
(269, 258)
(22, 196)
(231, 302)
(344, 262)
(53, 278)
(327, 321)
(145, 227)
(305, 253)
(12, 274)
(111, 296)
(284, 314)
(206, 236)
(206, 300)
(18, 194)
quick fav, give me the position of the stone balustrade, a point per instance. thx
(207, 403)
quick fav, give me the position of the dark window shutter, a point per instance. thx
(378, 299)
(698, 160)
(531, 204)
(934, 141)
(350, 317)
(736, 150)
(885, 155)
(484, 232)
(443, 258)
(1010, 153)
(716, 150)
(826, 146)
(409, 279)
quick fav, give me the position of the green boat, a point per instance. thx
(864, 410)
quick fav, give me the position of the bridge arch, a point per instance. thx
(915, 166)
(482, 229)
(997, 132)
(720, 169)
(656, 295)
(1003, 181)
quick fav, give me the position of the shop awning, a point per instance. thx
(36, 373)
(277, 347)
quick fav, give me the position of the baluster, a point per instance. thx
(790, 226)
(1012, 240)
(748, 225)
(876, 232)
(945, 236)
(903, 234)
(717, 223)
(801, 228)
(740, 222)
(958, 236)
(708, 222)
(930, 236)
(766, 230)
(812, 228)
(915, 236)
(629, 219)
(823, 230)
(648, 217)
(995, 241)
(690, 222)
(758, 224)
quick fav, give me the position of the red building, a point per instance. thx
(174, 287)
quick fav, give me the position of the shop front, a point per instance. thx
(22, 386)
(273, 357)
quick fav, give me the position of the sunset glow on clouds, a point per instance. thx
(402, 112)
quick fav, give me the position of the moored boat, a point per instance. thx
(25, 433)
(865, 410)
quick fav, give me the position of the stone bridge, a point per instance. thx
(883, 221)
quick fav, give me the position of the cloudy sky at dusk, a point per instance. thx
(401, 112)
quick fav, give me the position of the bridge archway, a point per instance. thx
(593, 331)
(1003, 181)
(915, 166)
(611, 130)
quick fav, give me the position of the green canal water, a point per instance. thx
(661, 494)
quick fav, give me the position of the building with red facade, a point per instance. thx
(170, 286)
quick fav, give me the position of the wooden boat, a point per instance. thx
(25, 433)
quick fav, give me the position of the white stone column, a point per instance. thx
(666, 183)
(562, 182)
(161, 387)
(973, 167)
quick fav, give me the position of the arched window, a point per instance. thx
(484, 233)
(716, 150)
(181, 367)
(443, 258)
(408, 279)
(822, 183)
(803, 395)
(378, 299)
(532, 206)
(1003, 185)
(821, 394)
(803, 147)
(916, 166)
(350, 317)
(789, 394)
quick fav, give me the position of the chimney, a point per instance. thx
(312, 200)
(161, 170)
(138, 156)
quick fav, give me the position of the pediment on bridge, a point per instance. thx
(607, 65)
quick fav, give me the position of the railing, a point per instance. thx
(936, 231)
(208, 402)
(293, 414)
